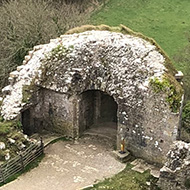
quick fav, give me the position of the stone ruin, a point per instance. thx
(95, 75)
(175, 174)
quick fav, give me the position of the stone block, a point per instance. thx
(122, 157)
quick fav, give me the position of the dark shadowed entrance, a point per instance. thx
(97, 113)
(26, 124)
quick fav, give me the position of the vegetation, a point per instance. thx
(183, 60)
(58, 53)
(11, 130)
(158, 19)
(26, 23)
(185, 130)
(163, 20)
(173, 94)
(187, 183)
(7, 126)
(59, 139)
(128, 179)
(28, 92)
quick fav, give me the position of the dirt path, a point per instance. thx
(70, 166)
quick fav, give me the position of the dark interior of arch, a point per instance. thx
(97, 113)
(30, 124)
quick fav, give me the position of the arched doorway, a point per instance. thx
(98, 113)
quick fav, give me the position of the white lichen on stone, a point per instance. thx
(126, 56)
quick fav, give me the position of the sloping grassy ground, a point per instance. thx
(128, 180)
(164, 20)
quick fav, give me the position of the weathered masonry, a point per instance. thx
(100, 76)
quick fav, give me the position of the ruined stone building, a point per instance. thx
(96, 76)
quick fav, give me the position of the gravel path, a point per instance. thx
(70, 166)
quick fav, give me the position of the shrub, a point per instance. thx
(26, 23)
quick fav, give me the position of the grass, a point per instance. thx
(6, 127)
(127, 180)
(29, 167)
(164, 20)
(58, 139)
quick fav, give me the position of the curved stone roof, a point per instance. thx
(122, 65)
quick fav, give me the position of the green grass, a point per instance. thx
(6, 127)
(164, 20)
(127, 180)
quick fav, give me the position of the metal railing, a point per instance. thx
(18, 163)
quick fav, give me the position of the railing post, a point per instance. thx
(1, 172)
(22, 161)
(42, 144)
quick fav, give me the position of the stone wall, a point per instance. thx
(53, 112)
(175, 175)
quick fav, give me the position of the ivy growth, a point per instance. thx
(173, 95)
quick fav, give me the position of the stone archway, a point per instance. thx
(98, 113)
(129, 68)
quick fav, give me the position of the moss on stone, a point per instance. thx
(187, 183)
(171, 88)
(92, 27)
(125, 30)
(58, 53)
(1, 103)
(28, 92)
(62, 127)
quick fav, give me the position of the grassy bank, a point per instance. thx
(164, 20)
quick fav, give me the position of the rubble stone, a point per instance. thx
(175, 174)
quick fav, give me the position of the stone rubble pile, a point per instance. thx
(175, 174)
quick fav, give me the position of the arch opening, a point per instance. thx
(98, 114)
(26, 122)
